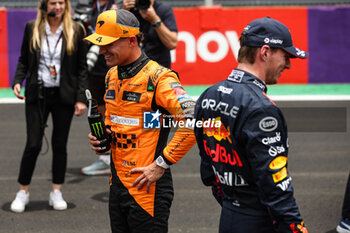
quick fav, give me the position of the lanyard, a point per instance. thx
(51, 55)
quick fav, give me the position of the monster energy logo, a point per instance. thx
(124, 74)
(98, 130)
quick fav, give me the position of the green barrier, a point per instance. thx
(280, 89)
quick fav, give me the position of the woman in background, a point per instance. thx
(53, 62)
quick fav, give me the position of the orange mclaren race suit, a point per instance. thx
(135, 96)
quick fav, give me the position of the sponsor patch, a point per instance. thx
(129, 163)
(123, 74)
(187, 104)
(110, 95)
(281, 175)
(272, 41)
(135, 85)
(107, 81)
(300, 52)
(224, 90)
(271, 140)
(184, 97)
(175, 85)
(268, 124)
(179, 91)
(131, 96)
(150, 85)
(221, 133)
(275, 150)
(285, 184)
(236, 76)
(222, 156)
(259, 84)
(222, 107)
(278, 163)
(189, 112)
(125, 120)
(229, 178)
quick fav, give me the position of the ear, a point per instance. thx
(264, 52)
(133, 40)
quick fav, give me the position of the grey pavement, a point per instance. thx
(319, 162)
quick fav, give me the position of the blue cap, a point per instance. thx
(267, 31)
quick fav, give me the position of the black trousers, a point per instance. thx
(235, 222)
(346, 204)
(36, 118)
(127, 216)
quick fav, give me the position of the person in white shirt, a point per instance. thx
(53, 63)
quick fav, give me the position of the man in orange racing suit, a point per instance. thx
(140, 92)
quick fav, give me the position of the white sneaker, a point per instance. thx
(56, 200)
(19, 204)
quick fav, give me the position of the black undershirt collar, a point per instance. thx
(130, 70)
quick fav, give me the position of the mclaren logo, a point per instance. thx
(100, 23)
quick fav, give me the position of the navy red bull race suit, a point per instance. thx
(133, 92)
(244, 149)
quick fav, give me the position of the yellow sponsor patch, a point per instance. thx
(278, 176)
(278, 162)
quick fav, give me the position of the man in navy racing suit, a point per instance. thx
(244, 142)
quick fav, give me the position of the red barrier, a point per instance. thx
(208, 41)
(4, 65)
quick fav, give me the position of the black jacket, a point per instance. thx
(73, 81)
(247, 154)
